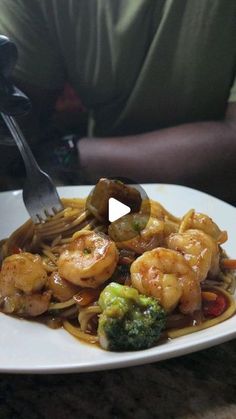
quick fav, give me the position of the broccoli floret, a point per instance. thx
(129, 320)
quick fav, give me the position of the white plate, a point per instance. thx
(34, 348)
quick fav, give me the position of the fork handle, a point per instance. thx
(31, 165)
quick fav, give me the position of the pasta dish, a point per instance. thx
(126, 285)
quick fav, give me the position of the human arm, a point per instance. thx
(200, 155)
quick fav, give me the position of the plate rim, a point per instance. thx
(133, 358)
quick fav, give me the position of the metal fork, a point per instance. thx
(39, 193)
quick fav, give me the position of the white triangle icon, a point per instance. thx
(116, 209)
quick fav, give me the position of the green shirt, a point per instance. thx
(137, 65)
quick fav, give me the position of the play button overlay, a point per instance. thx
(121, 205)
(116, 209)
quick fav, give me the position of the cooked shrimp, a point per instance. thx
(165, 274)
(26, 305)
(89, 260)
(22, 278)
(22, 272)
(61, 289)
(171, 223)
(200, 250)
(196, 220)
(137, 232)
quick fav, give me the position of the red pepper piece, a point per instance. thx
(214, 308)
(15, 250)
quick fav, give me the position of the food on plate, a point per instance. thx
(127, 285)
(88, 260)
(128, 320)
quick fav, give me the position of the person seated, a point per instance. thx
(157, 80)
